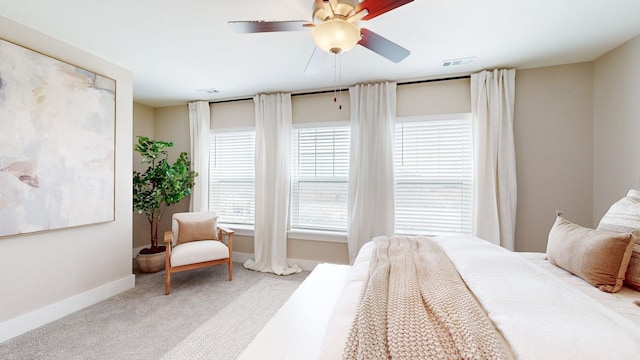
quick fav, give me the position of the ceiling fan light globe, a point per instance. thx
(335, 36)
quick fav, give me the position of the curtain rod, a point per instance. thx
(346, 89)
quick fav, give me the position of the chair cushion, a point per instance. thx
(198, 251)
(192, 230)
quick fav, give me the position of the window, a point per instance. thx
(433, 175)
(320, 171)
(232, 176)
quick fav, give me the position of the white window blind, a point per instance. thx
(320, 172)
(232, 176)
(433, 175)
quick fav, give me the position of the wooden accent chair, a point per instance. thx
(195, 241)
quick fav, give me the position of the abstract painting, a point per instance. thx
(57, 143)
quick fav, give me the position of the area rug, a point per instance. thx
(229, 332)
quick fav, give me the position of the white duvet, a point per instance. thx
(540, 316)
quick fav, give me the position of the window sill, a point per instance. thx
(240, 229)
(297, 234)
(317, 235)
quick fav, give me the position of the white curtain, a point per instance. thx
(199, 123)
(370, 198)
(494, 158)
(273, 181)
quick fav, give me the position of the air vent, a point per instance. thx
(210, 91)
(456, 62)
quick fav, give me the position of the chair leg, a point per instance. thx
(167, 281)
(230, 270)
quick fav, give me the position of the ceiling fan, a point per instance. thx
(335, 29)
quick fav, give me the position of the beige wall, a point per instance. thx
(166, 124)
(319, 108)
(553, 138)
(616, 122)
(172, 124)
(440, 97)
(412, 100)
(143, 125)
(232, 115)
(45, 269)
(321, 251)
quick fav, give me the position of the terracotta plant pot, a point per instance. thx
(150, 263)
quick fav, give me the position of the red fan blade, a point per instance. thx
(383, 46)
(258, 26)
(316, 61)
(379, 7)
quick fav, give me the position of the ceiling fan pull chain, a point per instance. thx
(335, 77)
(340, 81)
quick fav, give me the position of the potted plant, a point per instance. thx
(161, 185)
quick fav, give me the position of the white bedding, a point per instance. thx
(540, 316)
(622, 302)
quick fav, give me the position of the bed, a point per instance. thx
(540, 310)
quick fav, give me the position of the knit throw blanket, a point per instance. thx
(416, 306)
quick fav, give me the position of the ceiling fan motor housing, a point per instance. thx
(335, 29)
(323, 10)
(336, 35)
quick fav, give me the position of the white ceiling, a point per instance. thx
(175, 48)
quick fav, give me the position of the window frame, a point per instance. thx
(239, 228)
(322, 234)
(467, 186)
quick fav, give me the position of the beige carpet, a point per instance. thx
(143, 323)
(228, 333)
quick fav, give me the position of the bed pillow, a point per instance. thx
(197, 230)
(632, 278)
(624, 216)
(600, 257)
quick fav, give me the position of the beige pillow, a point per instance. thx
(599, 257)
(197, 230)
(632, 278)
(623, 217)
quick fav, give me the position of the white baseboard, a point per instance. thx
(27, 322)
(306, 265)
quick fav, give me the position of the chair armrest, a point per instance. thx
(168, 236)
(225, 230)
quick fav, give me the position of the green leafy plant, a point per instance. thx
(161, 185)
